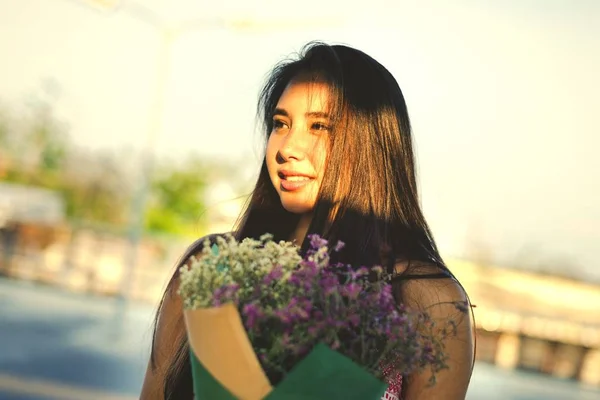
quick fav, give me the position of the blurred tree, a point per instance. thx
(35, 150)
(4, 144)
(96, 188)
(177, 204)
(45, 148)
(35, 145)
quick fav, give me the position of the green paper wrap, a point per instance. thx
(224, 366)
(323, 375)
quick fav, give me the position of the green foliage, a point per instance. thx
(177, 198)
(35, 150)
(97, 188)
(96, 199)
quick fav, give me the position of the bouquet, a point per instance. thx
(265, 323)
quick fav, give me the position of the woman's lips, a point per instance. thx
(295, 182)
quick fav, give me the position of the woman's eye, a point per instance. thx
(278, 124)
(319, 126)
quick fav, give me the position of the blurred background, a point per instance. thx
(127, 129)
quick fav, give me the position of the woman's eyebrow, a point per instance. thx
(313, 114)
(317, 114)
(281, 111)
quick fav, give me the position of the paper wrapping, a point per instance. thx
(225, 367)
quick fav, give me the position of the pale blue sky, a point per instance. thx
(503, 97)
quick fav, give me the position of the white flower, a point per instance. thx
(245, 263)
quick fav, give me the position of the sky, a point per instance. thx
(503, 98)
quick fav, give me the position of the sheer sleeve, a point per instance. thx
(439, 296)
(167, 336)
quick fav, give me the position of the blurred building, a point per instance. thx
(30, 219)
(535, 322)
(30, 205)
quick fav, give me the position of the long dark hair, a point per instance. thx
(368, 198)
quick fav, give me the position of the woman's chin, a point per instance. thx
(296, 207)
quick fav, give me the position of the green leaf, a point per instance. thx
(220, 267)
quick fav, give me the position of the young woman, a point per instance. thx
(338, 162)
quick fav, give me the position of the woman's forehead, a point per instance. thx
(311, 96)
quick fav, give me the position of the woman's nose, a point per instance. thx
(293, 146)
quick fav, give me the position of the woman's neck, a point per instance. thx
(299, 233)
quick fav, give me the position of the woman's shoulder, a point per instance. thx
(170, 305)
(426, 284)
(198, 244)
(431, 288)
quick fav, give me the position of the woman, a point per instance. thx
(338, 162)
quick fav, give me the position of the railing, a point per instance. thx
(518, 325)
(94, 261)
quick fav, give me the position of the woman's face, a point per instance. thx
(298, 145)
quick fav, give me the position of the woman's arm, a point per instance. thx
(439, 297)
(167, 335)
(169, 332)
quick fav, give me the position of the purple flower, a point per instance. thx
(274, 275)
(329, 283)
(339, 245)
(386, 298)
(297, 310)
(316, 242)
(284, 316)
(332, 322)
(296, 280)
(309, 266)
(359, 273)
(285, 340)
(352, 290)
(307, 305)
(313, 330)
(354, 320)
(225, 294)
(304, 276)
(252, 314)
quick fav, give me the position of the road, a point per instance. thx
(59, 345)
